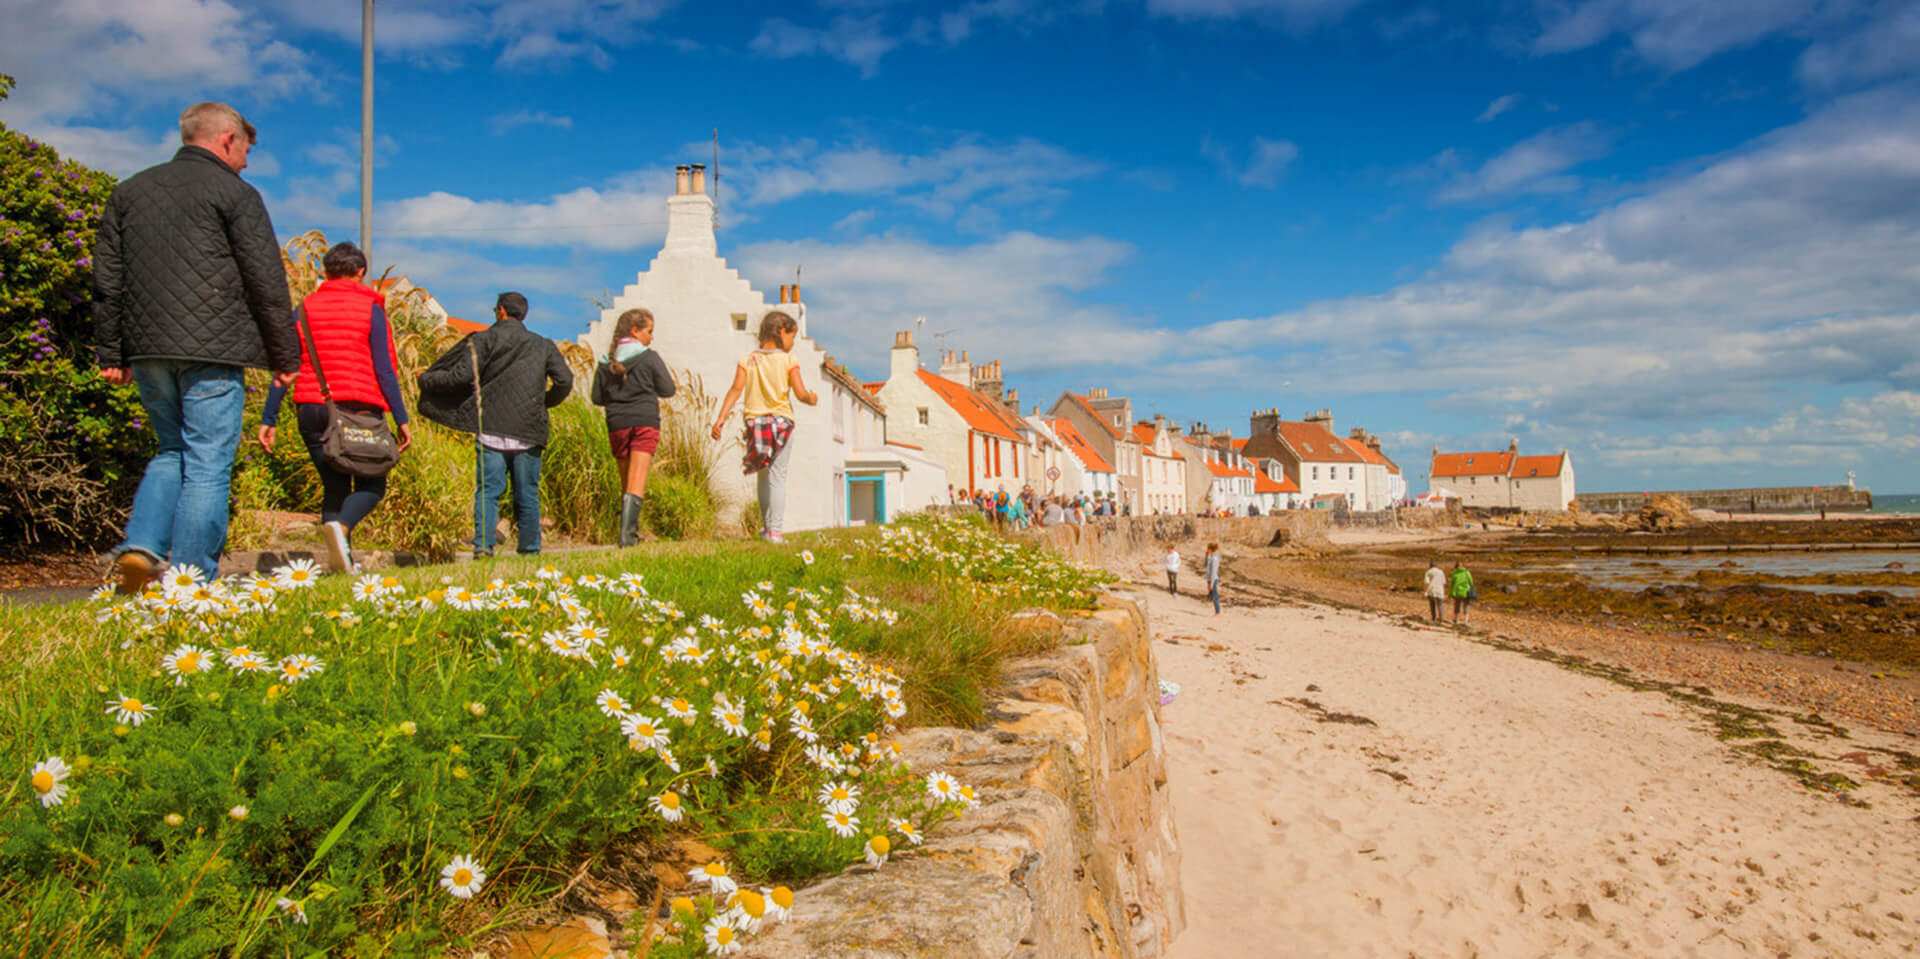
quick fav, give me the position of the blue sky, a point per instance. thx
(1677, 237)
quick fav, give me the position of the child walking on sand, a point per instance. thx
(631, 384)
(1173, 569)
(770, 380)
(1213, 576)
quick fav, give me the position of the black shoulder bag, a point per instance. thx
(358, 444)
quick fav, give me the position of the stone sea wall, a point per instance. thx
(1110, 539)
(1071, 851)
(1776, 499)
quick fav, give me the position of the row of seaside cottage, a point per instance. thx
(873, 450)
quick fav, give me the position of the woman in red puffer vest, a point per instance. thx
(348, 321)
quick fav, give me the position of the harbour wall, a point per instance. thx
(1774, 499)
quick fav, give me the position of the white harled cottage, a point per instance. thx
(706, 317)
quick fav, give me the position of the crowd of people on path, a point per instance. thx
(190, 291)
(1028, 509)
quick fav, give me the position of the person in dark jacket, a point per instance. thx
(499, 383)
(189, 290)
(631, 384)
(348, 321)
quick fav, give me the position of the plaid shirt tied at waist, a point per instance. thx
(766, 437)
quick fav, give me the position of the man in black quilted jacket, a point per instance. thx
(189, 291)
(521, 374)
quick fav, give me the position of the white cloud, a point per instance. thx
(119, 152)
(1499, 105)
(1265, 166)
(616, 217)
(1886, 45)
(1008, 296)
(1789, 262)
(942, 183)
(1670, 34)
(1537, 164)
(80, 60)
(859, 41)
(507, 122)
(1296, 14)
(1834, 439)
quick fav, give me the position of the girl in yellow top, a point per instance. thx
(770, 380)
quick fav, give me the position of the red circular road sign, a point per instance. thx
(1053, 473)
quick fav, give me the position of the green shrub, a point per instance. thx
(579, 478)
(77, 444)
(428, 508)
(678, 507)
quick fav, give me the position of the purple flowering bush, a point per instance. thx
(76, 444)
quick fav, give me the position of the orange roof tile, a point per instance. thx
(1262, 483)
(1527, 467)
(465, 326)
(875, 388)
(1313, 444)
(1082, 449)
(1496, 463)
(832, 370)
(982, 415)
(1239, 444)
(1222, 469)
(1143, 432)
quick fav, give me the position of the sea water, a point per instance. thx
(1896, 504)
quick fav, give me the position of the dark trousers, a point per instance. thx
(1171, 578)
(344, 498)
(1436, 607)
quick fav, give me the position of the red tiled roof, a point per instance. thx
(1078, 444)
(1527, 467)
(1222, 469)
(1087, 404)
(1497, 463)
(1314, 444)
(1143, 432)
(465, 326)
(874, 388)
(982, 415)
(1239, 444)
(1262, 483)
(834, 371)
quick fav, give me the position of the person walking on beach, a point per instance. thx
(1460, 587)
(631, 384)
(770, 380)
(1172, 562)
(1213, 576)
(189, 290)
(1436, 591)
(349, 340)
(499, 383)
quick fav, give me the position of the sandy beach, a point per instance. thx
(1347, 785)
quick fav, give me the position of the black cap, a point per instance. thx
(514, 304)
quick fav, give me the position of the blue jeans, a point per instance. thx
(495, 467)
(180, 510)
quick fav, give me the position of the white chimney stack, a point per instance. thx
(690, 215)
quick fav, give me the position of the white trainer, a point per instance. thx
(334, 534)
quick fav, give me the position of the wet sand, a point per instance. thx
(1349, 785)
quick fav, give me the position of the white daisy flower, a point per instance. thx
(389, 585)
(840, 796)
(299, 574)
(464, 598)
(967, 797)
(587, 634)
(612, 704)
(842, 824)
(907, 830)
(779, 902)
(107, 591)
(748, 909)
(462, 877)
(667, 759)
(806, 556)
(679, 708)
(292, 907)
(181, 578)
(802, 728)
(722, 936)
(877, 849)
(477, 708)
(249, 663)
(757, 604)
(713, 768)
(366, 589)
(823, 757)
(731, 719)
(621, 657)
(300, 666)
(547, 572)
(667, 804)
(942, 787)
(714, 875)
(129, 710)
(238, 813)
(186, 660)
(643, 732)
(49, 780)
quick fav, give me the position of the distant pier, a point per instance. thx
(1775, 499)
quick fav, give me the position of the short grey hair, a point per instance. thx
(206, 120)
